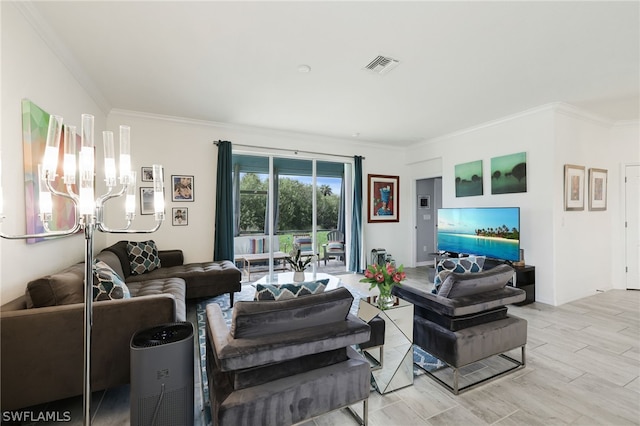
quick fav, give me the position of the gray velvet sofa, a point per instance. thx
(41, 333)
(205, 279)
(467, 321)
(283, 362)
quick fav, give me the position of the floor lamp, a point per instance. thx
(89, 209)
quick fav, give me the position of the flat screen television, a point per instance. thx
(493, 232)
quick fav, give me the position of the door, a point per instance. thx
(632, 229)
(428, 198)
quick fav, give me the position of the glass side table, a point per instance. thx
(397, 352)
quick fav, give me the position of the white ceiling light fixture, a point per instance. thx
(382, 64)
(304, 69)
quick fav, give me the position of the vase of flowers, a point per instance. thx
(384, 277)
(298, 264)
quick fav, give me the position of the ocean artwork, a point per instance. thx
(509, 173)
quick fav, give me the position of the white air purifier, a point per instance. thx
(162, 376)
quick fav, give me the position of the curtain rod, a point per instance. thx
(295, 151)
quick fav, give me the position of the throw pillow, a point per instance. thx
(143, 256)
(335, 245)
(256, 245)
(461, 265)
(289, 291)
(466, 284)
(304, 243)
(62, 288)
(107, 284)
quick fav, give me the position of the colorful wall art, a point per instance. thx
(35, 123)
(384, 198)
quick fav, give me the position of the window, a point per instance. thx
(295, 211)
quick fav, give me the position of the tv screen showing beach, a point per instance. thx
(491, 231)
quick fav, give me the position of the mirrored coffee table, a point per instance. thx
(397, 351)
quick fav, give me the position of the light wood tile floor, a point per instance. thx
(583, 368)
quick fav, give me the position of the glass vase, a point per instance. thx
(385, 301)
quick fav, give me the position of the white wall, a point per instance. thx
(575, 253)
(30, 70)
(582, 238)
(186, 147)
(530, 132)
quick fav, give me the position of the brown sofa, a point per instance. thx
(41, 333)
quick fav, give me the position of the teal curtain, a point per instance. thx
(355, 264)
(223, 238)
(342, 208)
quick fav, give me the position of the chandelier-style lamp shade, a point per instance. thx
(158, 192)
(125, 155)
(87, 166)
(44, 200)
(70, 167)
(109, 159)
(50, 160)
(130, 198)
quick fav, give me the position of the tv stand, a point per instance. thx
(525, 279)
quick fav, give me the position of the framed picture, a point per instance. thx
(469, 179)
(573, 187)
(384, 198)
(597, 189)
(146, 201)
(509, 173)
(146, 174)
(179, 216)
(182, 187)
(424, 202)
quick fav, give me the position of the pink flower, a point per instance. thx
(379, 277)
(390, 269)
(397, 277)
(368, 274)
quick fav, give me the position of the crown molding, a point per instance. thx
(627, 123)
(579, 113)
(487, 124)
(559, 107)
(265, 131)
(62, 52)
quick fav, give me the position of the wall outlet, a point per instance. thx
(424, 248)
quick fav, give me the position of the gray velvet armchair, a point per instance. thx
(467, 321)
(283, 362)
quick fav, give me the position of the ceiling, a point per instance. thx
(461, 63)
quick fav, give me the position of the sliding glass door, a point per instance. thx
(282, 204)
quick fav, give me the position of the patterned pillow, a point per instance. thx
(304, 243)
(461, 265)
(143, 256)
(256, 245)
(289, 291)
(107, 284)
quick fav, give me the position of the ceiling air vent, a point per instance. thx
(382, 64)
